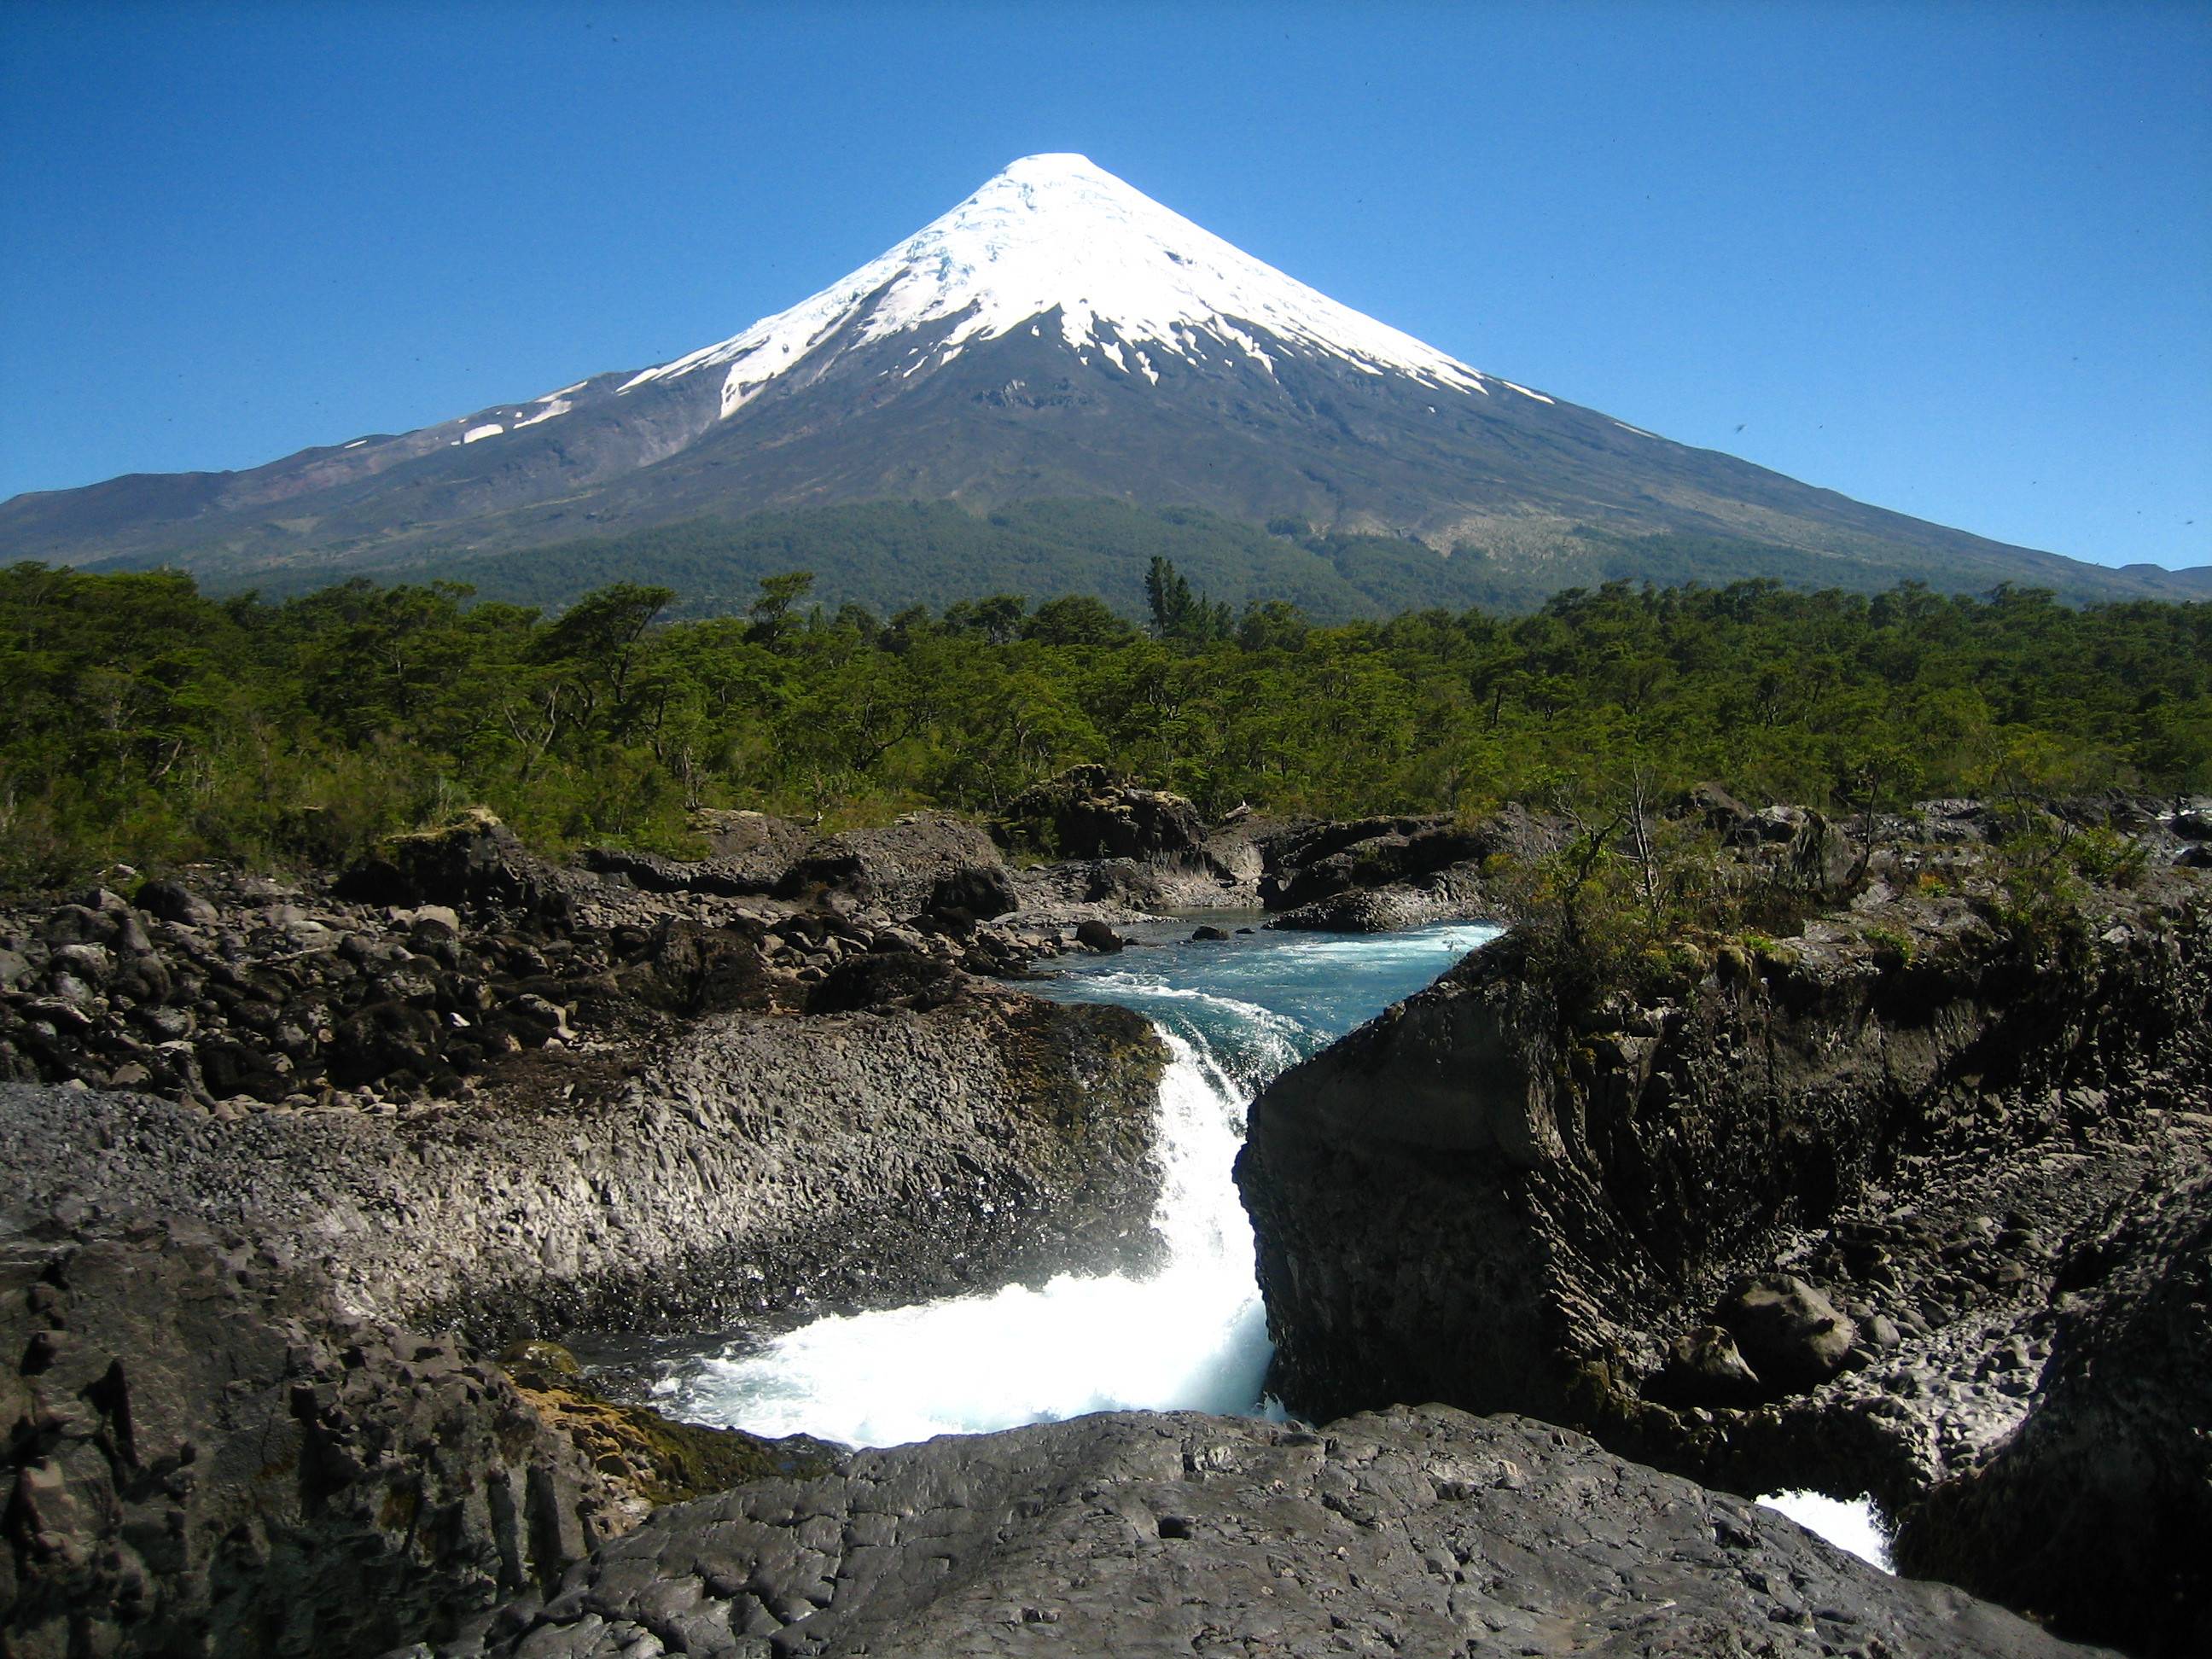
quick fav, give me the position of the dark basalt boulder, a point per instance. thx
(895, 867)
(690, 969)
(475, 862)
(979, 891)
(1411, 1531)
(1085, 813)
(656, 874)
(172, 901)
(1314, 862)
(1705, 1367)
(1787, 1332)
(887, 980)
(1095, 935)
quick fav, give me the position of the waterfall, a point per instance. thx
(1191, 1335)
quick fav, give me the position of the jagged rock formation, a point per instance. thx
(204, 1459)
(1086, 813)
(1418, 1531)
(2094, 1514)
(531, 1099)
(1803, 1220)
(461, 1089)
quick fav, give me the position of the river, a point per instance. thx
(1191, 1335)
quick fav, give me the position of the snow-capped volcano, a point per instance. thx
(1057, 235)
(1058, 335)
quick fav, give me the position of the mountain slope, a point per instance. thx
(1057, 335)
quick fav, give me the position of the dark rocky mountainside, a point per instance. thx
(1833, 1210)
(1056, 336)
(1421, 1531)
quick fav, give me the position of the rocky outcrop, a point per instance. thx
(1372, 875)
(205, 1458)
(1798, 1221)
(537, 1098)
(1451, 894)
(1411, 1531)
(894, 868)
(760, 1162)
(1084, 813)
(1313, 861)
(2095, 1513)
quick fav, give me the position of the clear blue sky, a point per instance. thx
(1952, 259)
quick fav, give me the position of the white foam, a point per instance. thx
(1059, 233)
(1193, 1336)
(1850, 1524)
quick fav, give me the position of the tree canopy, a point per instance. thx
(148, 722)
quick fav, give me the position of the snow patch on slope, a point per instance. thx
(1057, 232)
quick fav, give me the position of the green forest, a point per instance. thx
(149, 723)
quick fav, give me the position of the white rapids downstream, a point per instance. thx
(1191, 1335)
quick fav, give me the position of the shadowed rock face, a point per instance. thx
(2096, 1514)
(206, 1459)
(1817, 1220)
(1421, 1531)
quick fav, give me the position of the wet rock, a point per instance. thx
(1095, 935)
(1208, 935)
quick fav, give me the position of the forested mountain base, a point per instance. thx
(149, 723)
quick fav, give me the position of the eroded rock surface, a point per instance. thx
(2095, 1514)
(1413, 1531)
(1816, 1217)
(205, 1458)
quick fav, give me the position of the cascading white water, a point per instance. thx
(1192, 1336)
(1851, 1524)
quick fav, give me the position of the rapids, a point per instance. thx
(1190, 1336)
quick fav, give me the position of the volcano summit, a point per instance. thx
(1058, 335)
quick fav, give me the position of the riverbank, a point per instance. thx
(1828, 1210)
